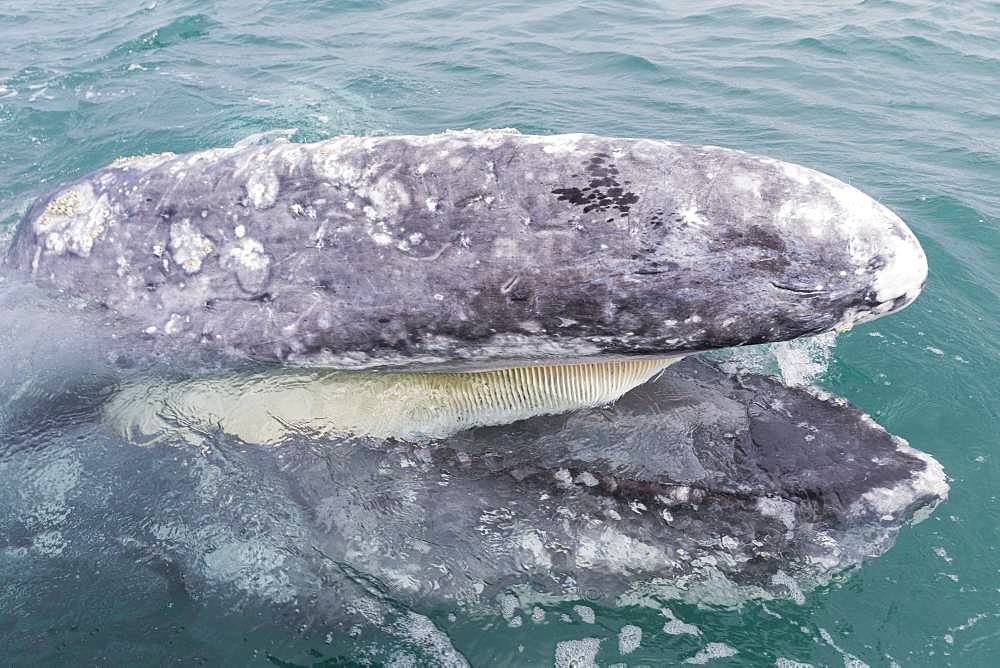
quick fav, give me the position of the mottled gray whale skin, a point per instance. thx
(484, 247)
(700, 486)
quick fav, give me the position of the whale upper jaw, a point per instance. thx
(474, 249)
(898, 264)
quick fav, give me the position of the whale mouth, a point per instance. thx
(272, 406)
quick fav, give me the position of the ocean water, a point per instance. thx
(898, 98)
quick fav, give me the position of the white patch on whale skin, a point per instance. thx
(888, 502)
(380, 195)
(690, 215)
(174, 325)
(262, 188)
(249, 253)
(188, 246)
(905, 273)
(905, 268)
(73, 221)
(563, 144)
(748, 183)
(867, 227)
(488, 139)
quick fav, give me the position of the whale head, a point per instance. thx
(477, 249)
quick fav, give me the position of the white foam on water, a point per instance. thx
(421, 632)
(508, 605)
(676, 627)
(52, 486)
(798, 362)
(782, 662)
(586, 614)
(850, 661)
(705, 586)
(795, 592)
(711, 651)
(804, 360)
(577, 653)
(251, 566)
(402, 660)
(629, 639)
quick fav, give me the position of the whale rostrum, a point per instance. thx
(472, 249)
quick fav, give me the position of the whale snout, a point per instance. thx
(844, 248)
(579, 247)
(896, 269)
(902, 277)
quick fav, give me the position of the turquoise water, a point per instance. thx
(897, 98)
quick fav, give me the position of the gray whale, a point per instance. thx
(700, 486)
(476, 247)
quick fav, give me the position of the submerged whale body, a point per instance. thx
(701, 486)
(475, 247)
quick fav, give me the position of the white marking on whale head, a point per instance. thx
(188, 246)
(830, 208)
(262, 188)
(905, 269)
(691, 216)
(748, 183)
(73, 221)
(249, 253)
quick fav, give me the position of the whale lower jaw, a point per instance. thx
(271, 406)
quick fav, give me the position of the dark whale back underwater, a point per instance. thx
(485, 247)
